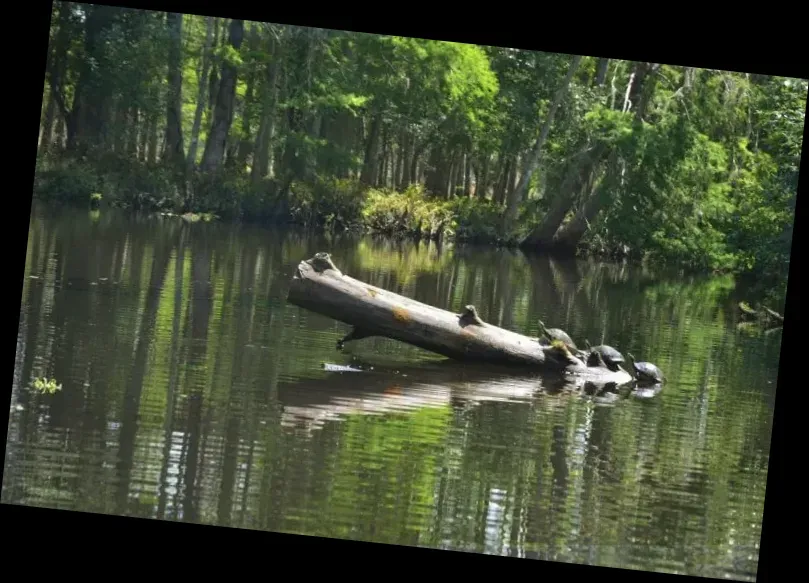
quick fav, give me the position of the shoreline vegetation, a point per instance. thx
(211, 118)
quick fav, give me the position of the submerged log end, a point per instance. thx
(469, 315)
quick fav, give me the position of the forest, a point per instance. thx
(335, 130)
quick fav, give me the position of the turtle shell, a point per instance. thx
(609, 354)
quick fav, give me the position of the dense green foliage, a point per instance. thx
(422, 138)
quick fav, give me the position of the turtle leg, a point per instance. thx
(354, 334)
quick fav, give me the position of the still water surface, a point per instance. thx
(192, 391)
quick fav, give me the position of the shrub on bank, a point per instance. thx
(327, 203)
(72, 182)
(410, 213)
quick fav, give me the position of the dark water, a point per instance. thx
(191, 391)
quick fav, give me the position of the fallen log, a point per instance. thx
(318, 285)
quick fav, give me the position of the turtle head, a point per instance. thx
(587, 344)
(560, 346)
(542, 328)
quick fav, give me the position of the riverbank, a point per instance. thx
(345, 205)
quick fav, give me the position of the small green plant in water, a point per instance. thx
(44, 385)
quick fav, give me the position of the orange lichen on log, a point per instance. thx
(401, 314)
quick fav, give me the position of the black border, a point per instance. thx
(750, 42)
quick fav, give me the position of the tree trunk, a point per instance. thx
(87, 123)
(132, 133)
(246, 141)
(467, 179)
(407, 160)
(57, 63)
(502, 182)
(174, 151)
(153, 139)
(482, 181)
(518, 194)
(371, 164)
(601, 71)
(414, 163)
(223, 112)
(213, 82)
(569, 235)
(47, 125)
(400, 161)
(382, 178)
(452, 174)
(261, 160)
(121, 123)
(543, 234)
(143, 136)
(203, 85)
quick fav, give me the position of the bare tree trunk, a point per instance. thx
(414, 163)
(543, 234)
(88, 120)
(261, 160)
(569, 235)
(467, 181)
(371, 164)
(436, 181)
(121, 126)
(601, 71)
(383, 162)
(400, 160)
(203, 85)
(517, 195)
(246, 141)
(407, 160)
(223, 112)
(57, 63)
(47, 125)
(174, 152)
(132, 133)
(499, 194)
(452, 173)
(153, 139)
(482, 181)
(213, 82)
(143, 136)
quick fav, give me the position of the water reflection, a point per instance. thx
(192, 391)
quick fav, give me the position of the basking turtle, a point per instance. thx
(611, 356)
(646, 371)
(556, 334)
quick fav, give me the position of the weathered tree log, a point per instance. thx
(318, 285)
